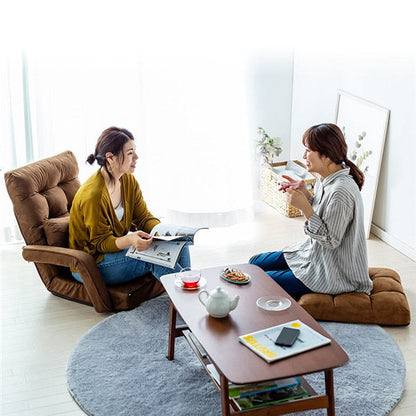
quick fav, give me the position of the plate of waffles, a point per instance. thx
(235, 276)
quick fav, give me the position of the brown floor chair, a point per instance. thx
(42, 194)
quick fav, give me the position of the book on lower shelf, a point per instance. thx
(271, 397)
(236, 391)
(197, 345)
(262, 342)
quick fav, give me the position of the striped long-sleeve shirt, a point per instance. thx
(334, 257)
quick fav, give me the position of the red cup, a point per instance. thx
(190, 277)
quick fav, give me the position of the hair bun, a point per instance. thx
(91, 159)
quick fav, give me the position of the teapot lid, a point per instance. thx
(218, 292)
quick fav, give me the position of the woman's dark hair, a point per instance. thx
(328, 140)
(111, 140)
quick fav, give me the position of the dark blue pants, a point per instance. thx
(274, 264)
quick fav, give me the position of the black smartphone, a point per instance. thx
(287, 336)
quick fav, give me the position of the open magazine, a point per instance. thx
(167, 245)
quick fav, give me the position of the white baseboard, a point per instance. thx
(394, 242)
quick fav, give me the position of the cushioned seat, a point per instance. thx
(386, 305)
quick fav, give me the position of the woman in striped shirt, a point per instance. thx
(333, 259)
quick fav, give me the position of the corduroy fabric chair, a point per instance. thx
(42, 194)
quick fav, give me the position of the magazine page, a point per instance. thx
(163, 253)
(236, 391)
(169, 232)
(262, 342)
(271, 397)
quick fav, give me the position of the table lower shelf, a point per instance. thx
(312, 402)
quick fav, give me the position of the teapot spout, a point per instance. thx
(234, 302)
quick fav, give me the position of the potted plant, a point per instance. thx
(267, 148)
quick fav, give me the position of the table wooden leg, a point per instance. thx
(225, 401)
(172, 331)
(329, 388)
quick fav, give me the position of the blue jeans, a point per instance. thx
(118, 268)
(274, 264)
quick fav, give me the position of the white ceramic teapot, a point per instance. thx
(217, 302)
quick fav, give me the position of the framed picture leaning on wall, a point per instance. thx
(364, 125)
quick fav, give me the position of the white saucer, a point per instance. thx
(273, 303)
(202, 282)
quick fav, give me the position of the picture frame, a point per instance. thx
(364, 125)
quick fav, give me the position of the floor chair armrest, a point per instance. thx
(78, 260)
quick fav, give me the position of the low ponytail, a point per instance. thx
(356, 173)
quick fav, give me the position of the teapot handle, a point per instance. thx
(203, 292)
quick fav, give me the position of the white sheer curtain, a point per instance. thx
(196, 149)
(188, 117)
(15, 117)
(16, 144)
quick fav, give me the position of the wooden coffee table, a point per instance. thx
(235, 362)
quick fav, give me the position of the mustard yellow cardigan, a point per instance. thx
(93, 224)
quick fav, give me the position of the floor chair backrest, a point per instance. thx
(42, 194)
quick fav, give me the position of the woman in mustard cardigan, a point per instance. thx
(106, 207)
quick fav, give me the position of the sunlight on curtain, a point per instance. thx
(195, 151)
(13, 145)
(50, 104)
(188, 117)
(77, 97)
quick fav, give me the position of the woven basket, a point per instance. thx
(269, 189)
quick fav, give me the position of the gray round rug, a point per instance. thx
(119, 368)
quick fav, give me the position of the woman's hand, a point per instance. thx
(138, 239)
(300, 185)
(141, 240)
(299, 200)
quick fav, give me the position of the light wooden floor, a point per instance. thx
(39, 330)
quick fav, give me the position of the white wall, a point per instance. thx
(388, 80)
(269, 91)
(269, 99)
